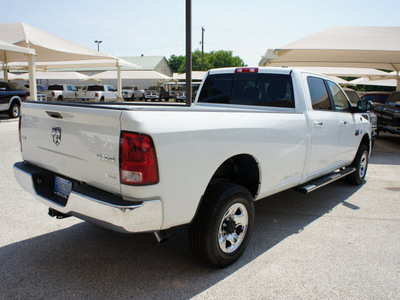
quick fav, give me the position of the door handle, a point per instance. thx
(342, 122)
(318, 123)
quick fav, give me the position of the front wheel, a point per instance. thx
(15, 110)
(361, 165)
(222, 228)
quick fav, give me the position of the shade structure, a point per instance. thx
(49, 47)
(54, 75)
(347, 72)
(339, 80)
(350, 47)
(130, 75)
(379, 82)
(196, 75)
(10, 53)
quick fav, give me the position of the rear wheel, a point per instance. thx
(361, 165)
(222, 228)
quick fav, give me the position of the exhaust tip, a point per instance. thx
(161, 236)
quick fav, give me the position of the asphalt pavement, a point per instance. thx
(339, 242)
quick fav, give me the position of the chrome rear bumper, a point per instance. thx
(91, 204)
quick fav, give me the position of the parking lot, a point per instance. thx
(339, 242)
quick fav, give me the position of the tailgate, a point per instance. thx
(80, 143)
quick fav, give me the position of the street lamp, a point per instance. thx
(98, 44)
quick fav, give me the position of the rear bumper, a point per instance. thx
(91, 204)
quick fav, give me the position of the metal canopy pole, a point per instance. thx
(188, 52)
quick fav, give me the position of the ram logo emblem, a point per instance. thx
(56, 134)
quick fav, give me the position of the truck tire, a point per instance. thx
(222, 228)
(102, 99)
(60, 98)
(15, 110)
(361, 165)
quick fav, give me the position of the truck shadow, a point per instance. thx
(386, 150)
(85, 261)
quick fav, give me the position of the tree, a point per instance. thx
(214, 59)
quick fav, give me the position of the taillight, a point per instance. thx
(246, 70)
(53, 94)
(96, 95)
(138, 159)
(19, 133)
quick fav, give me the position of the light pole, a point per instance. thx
(188, 52)
(98, 44)
(202, 48)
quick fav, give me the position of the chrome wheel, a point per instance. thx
(15, 111)
(363, 165)
(233, 228)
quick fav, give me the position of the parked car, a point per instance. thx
(389, 114)
(98, 92)
(11, 97)
(41, 96)
(154, 93)
(130, 92)
(376, 97)
(369, 114)
(61, 92)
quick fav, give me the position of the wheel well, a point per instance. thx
(15, 99)
(241, 169)
(366, 141)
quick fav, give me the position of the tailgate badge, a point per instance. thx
(56, 134)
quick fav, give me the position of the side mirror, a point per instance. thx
(3, 89)
(364, 106)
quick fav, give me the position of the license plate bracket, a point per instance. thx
(62, 187)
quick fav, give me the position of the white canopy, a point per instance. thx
(49, 47)
(10, 53)
(54, 75)
(130, 75)
(346, 72)
(368, 81)
(196, 75)
(356, 47)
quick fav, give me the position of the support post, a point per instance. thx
(32, 77)
(119, 83)
(188, 52)
(5, 73)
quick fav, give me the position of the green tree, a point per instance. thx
(212, 60)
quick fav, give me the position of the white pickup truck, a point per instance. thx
(60, 92)
(251, 133)
(98, 92)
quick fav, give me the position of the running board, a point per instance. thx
(322, 181)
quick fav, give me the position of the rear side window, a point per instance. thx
(55, 87)
(98, 88)
(319, 94)
(248, 89)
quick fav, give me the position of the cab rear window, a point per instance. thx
(257, 89)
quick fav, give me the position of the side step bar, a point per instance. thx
(322, 181)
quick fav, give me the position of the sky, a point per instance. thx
(157, 27)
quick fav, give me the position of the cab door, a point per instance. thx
(324, 129)
(349, 135)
